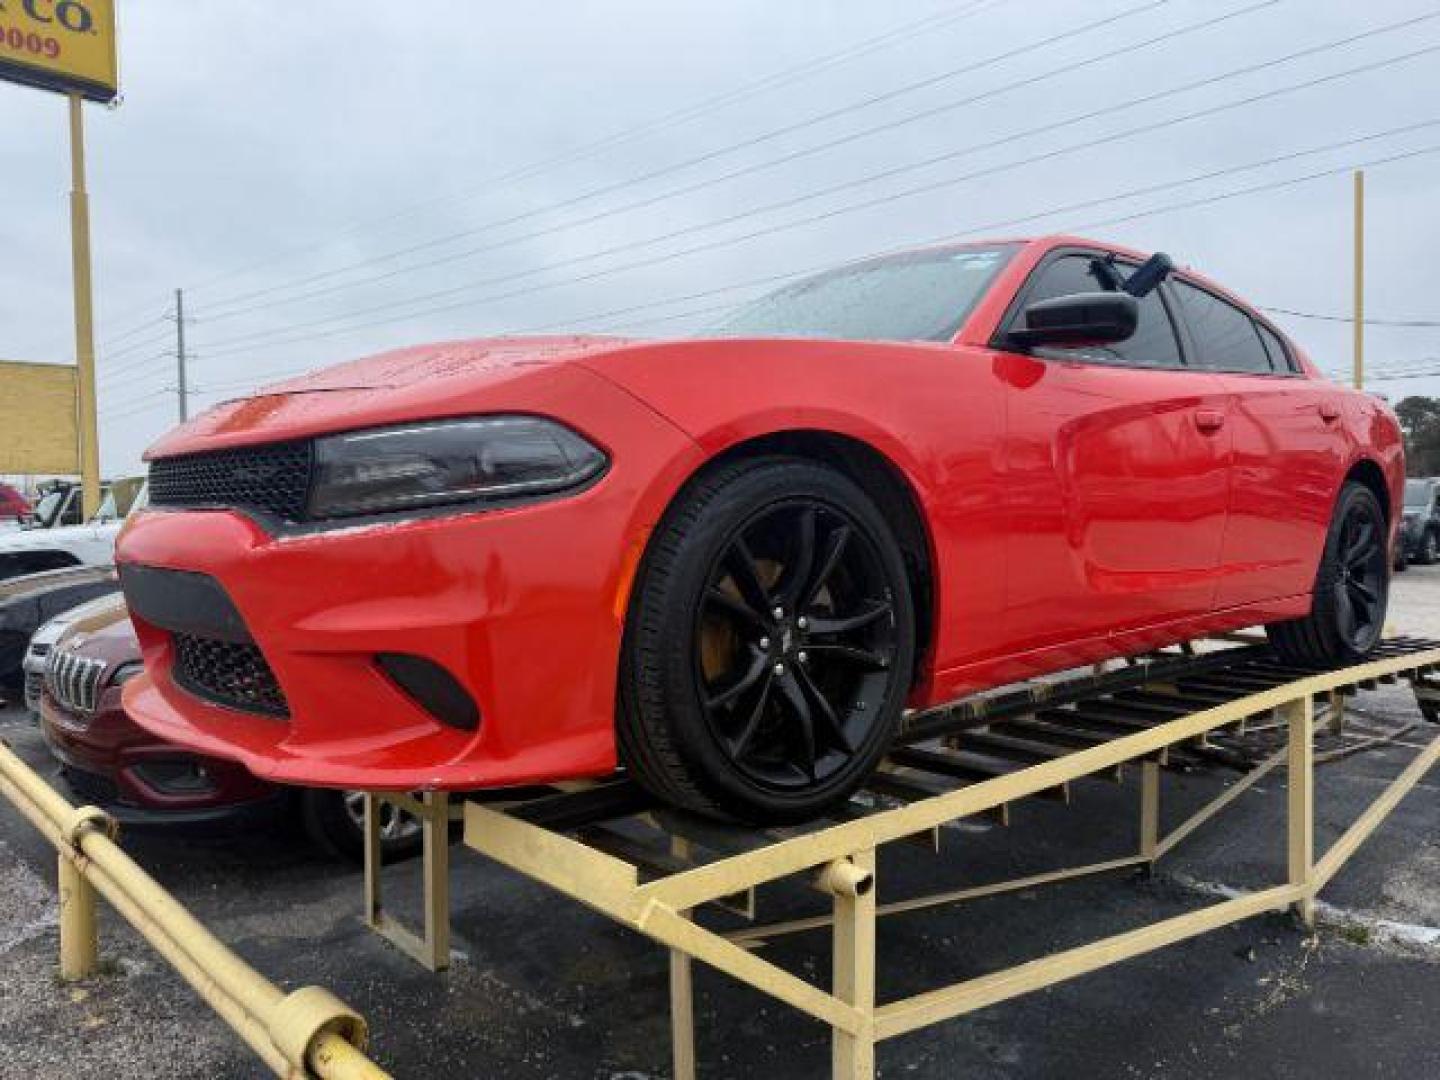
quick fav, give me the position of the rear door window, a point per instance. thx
(1225, 338)
(1280, 357)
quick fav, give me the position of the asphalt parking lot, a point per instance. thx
(542, 988)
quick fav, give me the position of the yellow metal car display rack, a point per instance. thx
(615, 850)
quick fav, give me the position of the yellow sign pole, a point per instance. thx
(84, 310)
(1359, 325)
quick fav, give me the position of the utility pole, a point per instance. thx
(1359, 325)
(180, 388)
(84, 314)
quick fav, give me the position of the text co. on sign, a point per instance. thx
(62, 45)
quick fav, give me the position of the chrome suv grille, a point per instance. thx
(230, 673)
(74, 681)
(273, 479)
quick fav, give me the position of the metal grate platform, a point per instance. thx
(1230, 706)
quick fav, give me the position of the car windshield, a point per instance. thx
(1417, 492)
(916, 296)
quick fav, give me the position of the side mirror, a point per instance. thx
(1096, 318)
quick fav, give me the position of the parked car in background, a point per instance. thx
(28, 602)
(108, 760)
(37, 654)
(1420, 521)
(14, 508)
(30, 551)
(732, 561)
(57, 504)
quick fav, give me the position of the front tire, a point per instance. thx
(1352, 588)
(770, 644)
(334, 821)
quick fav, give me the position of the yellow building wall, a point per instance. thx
(38, 432)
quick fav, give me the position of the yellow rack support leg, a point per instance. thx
(1299, 717)
(853, 884)
(682, 1014)
(79, 940)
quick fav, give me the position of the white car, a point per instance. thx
(30, 551)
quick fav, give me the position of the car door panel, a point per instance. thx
(1118, 497)
(1288, 462)
(1291, 444)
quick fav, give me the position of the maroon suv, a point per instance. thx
(108, 760)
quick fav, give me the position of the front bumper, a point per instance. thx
(523, 607)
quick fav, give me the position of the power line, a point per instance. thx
(667, 120)
(1405, 323)
(260, 337)
(997, 225)
(110, 342)
(108, 375)
(757, 140)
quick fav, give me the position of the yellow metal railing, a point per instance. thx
(307, 1033)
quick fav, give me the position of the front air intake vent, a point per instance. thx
(229, 673)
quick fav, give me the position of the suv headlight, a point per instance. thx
(484, 459)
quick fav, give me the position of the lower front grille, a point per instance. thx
(230, 673)
(91, 786)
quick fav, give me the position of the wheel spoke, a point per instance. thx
(1345, 613)
(844, 624)
(1366, 594)
(735, 606)
(846, 654)
(1359, 550)
(740, 745)
(751, 676)
(825, 710)
(804, 720)
(794, 587)
(835, 545)
(745, 572)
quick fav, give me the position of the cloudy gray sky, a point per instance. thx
(329, 179)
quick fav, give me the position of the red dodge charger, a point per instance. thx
(730, 562)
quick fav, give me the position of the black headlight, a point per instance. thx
(413, 466)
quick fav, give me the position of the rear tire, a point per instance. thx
(769, 646)
(1352, 588)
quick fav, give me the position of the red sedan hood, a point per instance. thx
(391, 387)
(476, 360)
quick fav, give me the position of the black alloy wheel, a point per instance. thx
(1360, 576)
(794, 641)
(1352, 588)
(771, 644)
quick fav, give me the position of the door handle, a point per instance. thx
(1209, 420)
(1329, 411)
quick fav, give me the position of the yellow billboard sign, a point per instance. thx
(63, 45)
(39, 432)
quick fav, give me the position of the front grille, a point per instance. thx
(229, 673)
(273, 479)
(74, 681)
